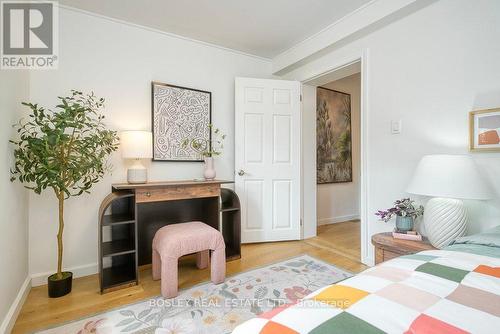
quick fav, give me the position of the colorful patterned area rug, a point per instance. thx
(213, 309)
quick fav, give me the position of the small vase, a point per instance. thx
(209, 172)
(404, 224)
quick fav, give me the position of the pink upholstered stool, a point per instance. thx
(173, 241)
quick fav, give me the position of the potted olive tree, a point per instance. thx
(64, 150)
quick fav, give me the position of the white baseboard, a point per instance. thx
(11, 316)
(339, 219)
(369, 261)
(78, 271)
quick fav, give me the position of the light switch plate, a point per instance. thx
(396, 127)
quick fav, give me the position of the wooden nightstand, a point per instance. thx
(386, 247)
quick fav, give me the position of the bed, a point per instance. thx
(454, 290)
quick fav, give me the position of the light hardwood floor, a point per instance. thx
(337, 244)
(342, 238)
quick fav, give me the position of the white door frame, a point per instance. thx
(362, 56)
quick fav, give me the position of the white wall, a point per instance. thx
(118, 62)
(14, 198)
(309, 211)
(428, 69)
(338, 202)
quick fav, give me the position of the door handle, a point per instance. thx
(241, 172)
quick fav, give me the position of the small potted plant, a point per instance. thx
(66, 151)
(405, 211)
(208, 149)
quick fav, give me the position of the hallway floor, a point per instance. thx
(342, 238)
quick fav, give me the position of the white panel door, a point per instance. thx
(267, 158)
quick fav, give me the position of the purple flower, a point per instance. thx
(402, 207)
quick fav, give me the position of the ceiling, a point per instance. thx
(260, 27)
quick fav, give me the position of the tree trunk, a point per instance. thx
(60, 197)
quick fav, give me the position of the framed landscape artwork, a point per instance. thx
(179, 116)
(333, 142)
(484, 130)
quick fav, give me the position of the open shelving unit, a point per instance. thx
(117, 240)
(230, 211)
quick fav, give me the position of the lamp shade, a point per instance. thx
(449, 176)
(136, 144)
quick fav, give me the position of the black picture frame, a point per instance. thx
(154, 135)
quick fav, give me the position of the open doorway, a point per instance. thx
(337, 110)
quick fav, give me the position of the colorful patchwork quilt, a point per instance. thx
(436, 291)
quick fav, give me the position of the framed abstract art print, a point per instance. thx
(179, 115)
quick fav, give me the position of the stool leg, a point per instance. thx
(202, 259)
(169, 281)
(218, 265)
(156, 265)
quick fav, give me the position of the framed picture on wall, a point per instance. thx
(333, 141)
(180, 116)
(484, 130)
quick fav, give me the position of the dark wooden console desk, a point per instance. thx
(130, 216)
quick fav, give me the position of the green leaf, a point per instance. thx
(228, 294)
(127, 313)
(151, 317)
(125, 322)
(144, 313)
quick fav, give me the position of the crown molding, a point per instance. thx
(354, 22)
(158, 31)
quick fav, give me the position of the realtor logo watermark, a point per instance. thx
(29, 35)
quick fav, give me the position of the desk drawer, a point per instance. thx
(144, 195)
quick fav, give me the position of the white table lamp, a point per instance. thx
(137, 145)
(448, 179)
